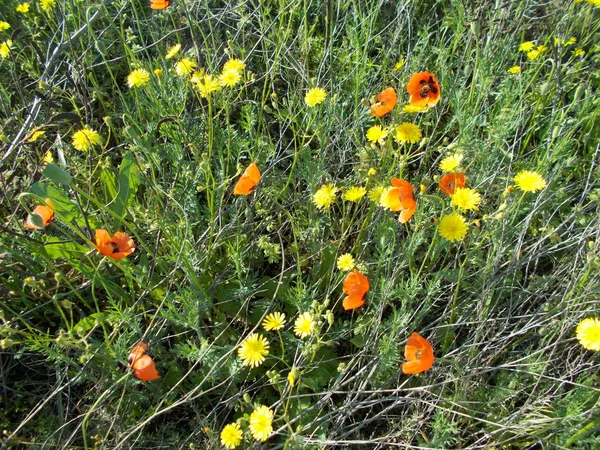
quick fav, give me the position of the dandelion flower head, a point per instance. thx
(451, 163)
(261, 423)
(304, 325)
(315, 96)
(274, 321)
(377, 134)
(515, 69)
(466, 199)
(529, 181)
(85, 138)
(408, 132)
(355, 193)
(325, 196)
(5, 48)
(184, 67)
(47, 5)
(206, 84)
(253, 350)
(453, 227)
(230, 78)
(376, 194)
(23, 8)
(372, 171)
(526, 46)
(231, 436)
(414, 109)
(588, 333)
(579, 51)
(234, 64)
(138, 78)
(4, 25)
(346, 262)
(173, 51)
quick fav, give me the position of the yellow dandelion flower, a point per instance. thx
(529, 181)
(346, 262)
(138, 78)
(414, 109)
(47, 5)
(207, 84)
(451, 163)
(354, 194)
(231, 436)
(48, 157)
(399, 65)
(384, 198)
(184, 67)
(292, 376)
(261, 423)
(593, 2)
(372, 171)
(578, 52)
(173, 51)
(408, 132)
(253, 350)
(453, 227)
(515, 69)
(85, 139)
(377, 134)
(588, 333)
(466, 199)
(36, 135)
(325, 196)
(315, 96)
(533, 54)
(304, 325)
(4, 25)
(158, 72)
(376, 193)
(230, 78)
(234, 64)
(571, 41)
(23, 8)
(274, 321)
(526, 46)
(5, 48)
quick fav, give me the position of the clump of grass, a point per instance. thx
(496, 274)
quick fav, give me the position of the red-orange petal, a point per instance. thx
(159, 4)
(45, 214)
(419, 353)
(247, 181)
(386, 102)
(352, 302)
(450, 181)
(116, 247)
(415, 89)
(144, 369)
(356, 284)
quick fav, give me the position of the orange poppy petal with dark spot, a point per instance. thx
(419, 353)
(143, 365)
(386, 101)
(424, 89)
(247, 181)
(450, 181)
(116, 247)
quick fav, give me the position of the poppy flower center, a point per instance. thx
(427, 87)
(115, 247)
(418, 354)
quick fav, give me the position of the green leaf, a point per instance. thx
(88, 323)
(55, 248)
(62, 205)
(128, 183)
(57, 174)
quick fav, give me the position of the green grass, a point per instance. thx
(499, 307)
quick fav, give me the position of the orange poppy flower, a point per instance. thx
(142, 365)
(159, 4)
(424, 89)
(356, 285)
(419, 353)
(45, 214)
(386, 100)
(451, 181)
(116, 247)
(401, 198)
(247, 181)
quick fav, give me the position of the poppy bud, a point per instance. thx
(544, 88)
(579, 93)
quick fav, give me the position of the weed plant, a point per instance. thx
(499, 304)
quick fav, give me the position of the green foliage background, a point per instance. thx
(500, 307)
